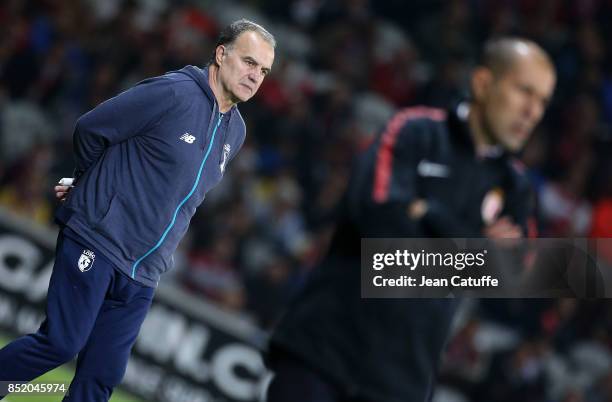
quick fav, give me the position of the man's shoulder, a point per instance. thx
(184, 92)
(183, 86)
(415, 125)
(418, 120)
(419, 116)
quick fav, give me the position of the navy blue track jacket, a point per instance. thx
(144, 161)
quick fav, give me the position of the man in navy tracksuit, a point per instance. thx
(431, 173)
(144, 162)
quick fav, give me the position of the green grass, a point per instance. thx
(61, 374)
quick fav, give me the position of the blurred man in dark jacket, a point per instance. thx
(431, 173)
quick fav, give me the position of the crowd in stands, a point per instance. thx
(342, 68)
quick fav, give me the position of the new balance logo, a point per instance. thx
(188, 138)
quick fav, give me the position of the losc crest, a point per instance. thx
(86, 260)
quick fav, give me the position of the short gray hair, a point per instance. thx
(230, 33)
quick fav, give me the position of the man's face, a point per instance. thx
(243, 65)
(514, 102)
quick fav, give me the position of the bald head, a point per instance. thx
(510, 91)
(501, 54)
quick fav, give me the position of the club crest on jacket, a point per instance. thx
(86, 260)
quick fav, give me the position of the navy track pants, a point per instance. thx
(94, 311)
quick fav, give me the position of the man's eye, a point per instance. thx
(527, 90)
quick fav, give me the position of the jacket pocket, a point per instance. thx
(114, 226)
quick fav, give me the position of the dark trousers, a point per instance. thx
(92, 310)
(296, 383)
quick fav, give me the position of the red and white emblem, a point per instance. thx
(492, 205)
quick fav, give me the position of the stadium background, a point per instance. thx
(342, 68)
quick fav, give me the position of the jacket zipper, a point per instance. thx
(195, 185)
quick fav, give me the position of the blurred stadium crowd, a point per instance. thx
(343, 67)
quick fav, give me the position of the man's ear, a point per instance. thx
(482, 79)
(220, 53)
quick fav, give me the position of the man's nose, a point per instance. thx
(533, 110)
(253, 77)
